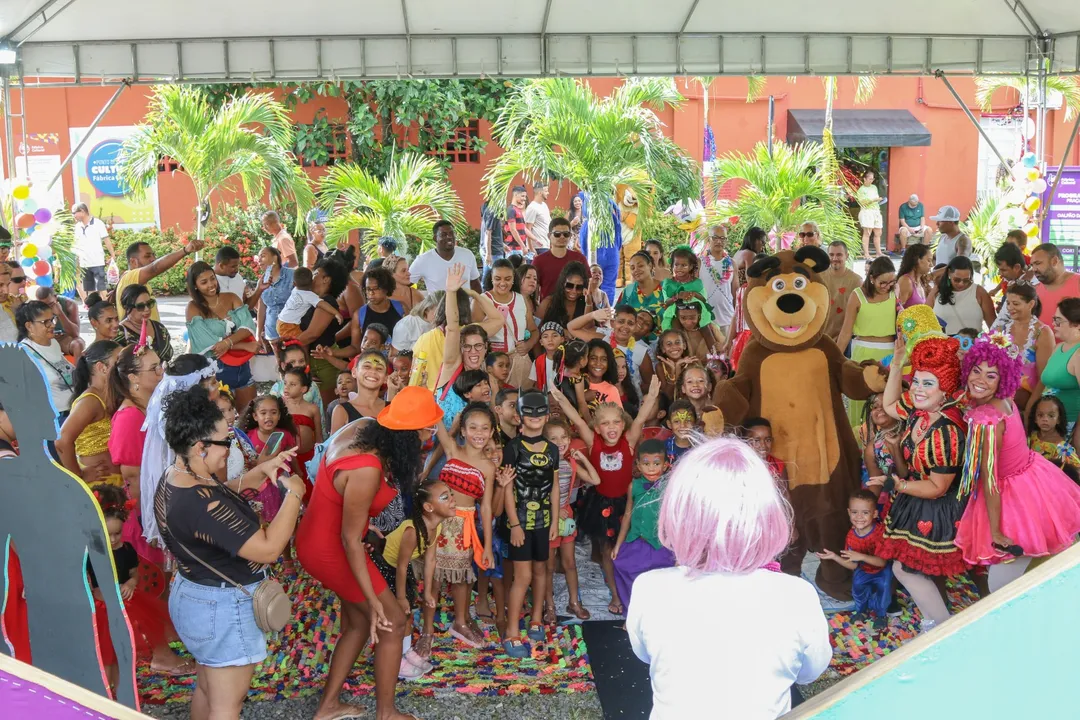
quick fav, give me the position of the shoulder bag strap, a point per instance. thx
(213, 569)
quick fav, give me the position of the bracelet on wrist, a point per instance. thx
(514, 526)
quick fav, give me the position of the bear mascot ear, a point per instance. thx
(765, 263)
(813, 257)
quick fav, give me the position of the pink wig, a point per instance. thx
(1010, 369)
(722, 510)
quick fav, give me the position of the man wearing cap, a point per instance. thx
(515, 239)
(911, 223)
(386, 247)
(950, 241)
(548, 265)
(92, 239)
(538, 217)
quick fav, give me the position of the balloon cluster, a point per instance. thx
(1023, 197)
(35, 227)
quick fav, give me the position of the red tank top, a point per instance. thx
(614, 465)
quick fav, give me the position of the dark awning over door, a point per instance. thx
(859, 128)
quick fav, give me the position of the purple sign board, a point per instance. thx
(1061, 218)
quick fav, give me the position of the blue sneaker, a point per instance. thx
(536, 633)
(516, 649)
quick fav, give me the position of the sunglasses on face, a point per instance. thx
(560, 234)
(574, 286)
(807, 234)
(219, 443)
(18, 280)
(144, 306)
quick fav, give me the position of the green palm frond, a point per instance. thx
(865, 85)
(755, 87)
(409, 200)
(63, 248)
(1067, 85)
(782, 192)
(986, 227)
(245, 140)
(558, 127)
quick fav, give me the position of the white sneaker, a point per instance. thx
(926, 626)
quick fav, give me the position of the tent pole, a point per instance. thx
(97, 121)
(772, 117)
(9, 144)
(971, 117)
(1061, 166)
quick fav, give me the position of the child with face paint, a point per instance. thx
(681, 419)
(610, 437)
(638, 549)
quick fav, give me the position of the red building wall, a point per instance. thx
(943, 173)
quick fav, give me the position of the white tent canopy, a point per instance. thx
(95, 41)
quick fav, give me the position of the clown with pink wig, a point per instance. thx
(1022, 506)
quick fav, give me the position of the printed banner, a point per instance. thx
(40, 165)
(99, 186)
(1061, 218)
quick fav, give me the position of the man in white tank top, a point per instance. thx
(950, 241)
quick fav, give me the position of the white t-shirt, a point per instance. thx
(431, 268)
(538, 215)
(235, 285)
(90, 243)
(299, 302)
(407, 331)
(57, 370)
(715, 664)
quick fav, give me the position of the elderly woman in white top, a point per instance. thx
(36, 321)
(421, 319)
(725, 537)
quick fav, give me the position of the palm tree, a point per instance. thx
(986, 228)
(786, 190)
(413, 195)
(558, 127)
(247, 137)
(1068, 86)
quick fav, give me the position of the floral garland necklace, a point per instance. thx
(727, 267)
(1028, 351)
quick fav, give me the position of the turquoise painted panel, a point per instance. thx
(1018, 662)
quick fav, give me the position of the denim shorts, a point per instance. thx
(235, 376)
(216, 624)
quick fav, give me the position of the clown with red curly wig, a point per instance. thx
(1022, 506)
(920, 525)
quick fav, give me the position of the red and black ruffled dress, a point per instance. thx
(921, 532)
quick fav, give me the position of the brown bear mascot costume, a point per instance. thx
(792, 374)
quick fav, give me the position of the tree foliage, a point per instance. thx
(782, 192)
(247, 139)
(559, 128)
(412, 196)
(1068, 86)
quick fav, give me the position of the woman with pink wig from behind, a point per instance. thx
(725, 521)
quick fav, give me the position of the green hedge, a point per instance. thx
(233, 225)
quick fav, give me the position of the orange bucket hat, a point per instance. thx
(413, 408)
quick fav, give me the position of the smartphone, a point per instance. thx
(266, 275)
(274, 443)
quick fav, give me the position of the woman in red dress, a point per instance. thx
(364, 468)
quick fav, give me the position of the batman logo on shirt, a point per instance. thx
(539, 460)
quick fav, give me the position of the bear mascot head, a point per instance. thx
(787, 303)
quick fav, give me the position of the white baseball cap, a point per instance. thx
(947, 213)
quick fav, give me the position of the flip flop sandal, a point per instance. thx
(549, 616)
(184, 669)
(619, 609)
(454, 632)
(579, 611)
(347, 713)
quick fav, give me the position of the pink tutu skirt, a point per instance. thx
(1040, 512)
(133, 533)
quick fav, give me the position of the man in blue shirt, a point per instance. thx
(911, 223)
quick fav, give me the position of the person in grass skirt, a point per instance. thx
(920, 527)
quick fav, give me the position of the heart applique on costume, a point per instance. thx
(925, 526)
